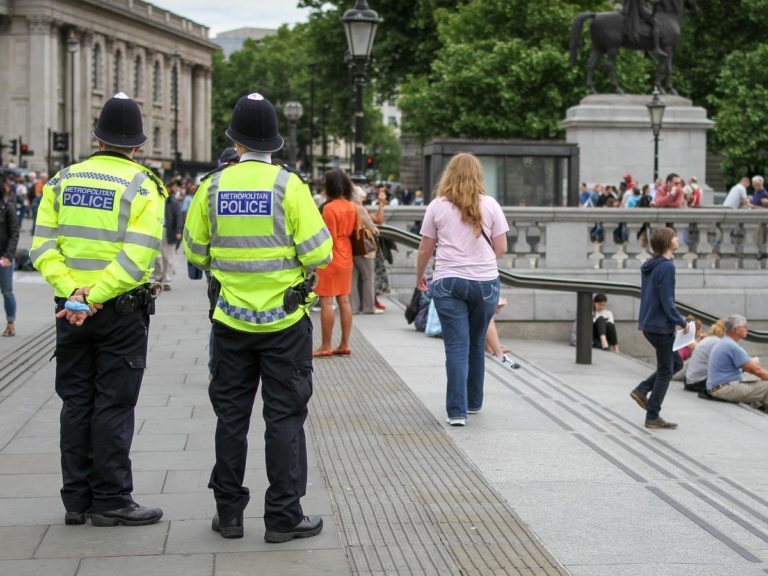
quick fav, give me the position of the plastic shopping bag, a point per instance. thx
(433, 321)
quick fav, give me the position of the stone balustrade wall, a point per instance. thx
(720, 267)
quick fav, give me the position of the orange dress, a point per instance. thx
(341, 219)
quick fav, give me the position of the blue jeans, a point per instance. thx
(667, 364)
(465, 308)
(6, 285)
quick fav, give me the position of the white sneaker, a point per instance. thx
(457, 421)
(470, 411)
(508, 362)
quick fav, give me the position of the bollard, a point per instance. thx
(584, 328)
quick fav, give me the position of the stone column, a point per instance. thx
(199, 94)
(42, 89)
(85, 125)
(207, 117)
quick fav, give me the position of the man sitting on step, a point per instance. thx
(727, 362)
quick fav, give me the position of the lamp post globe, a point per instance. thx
(293, 111)
(360, 24)
(656, 109)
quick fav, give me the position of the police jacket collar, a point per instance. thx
(258, 156)
(111, 153)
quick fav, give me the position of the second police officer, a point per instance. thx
(255, 226)
(98, 231)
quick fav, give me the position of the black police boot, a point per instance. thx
(228, 528)
(76, 518)
(308, 527)
(131, 515)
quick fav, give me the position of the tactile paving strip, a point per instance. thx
(407, 499)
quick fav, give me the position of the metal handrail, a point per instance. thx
(566, 285)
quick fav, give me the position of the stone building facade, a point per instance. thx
(62, 59)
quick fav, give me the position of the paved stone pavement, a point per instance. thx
(561, 443)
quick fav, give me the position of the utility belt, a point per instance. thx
(293, 297)
(140, 298)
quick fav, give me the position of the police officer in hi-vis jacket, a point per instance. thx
(99, 228)
(255, 226)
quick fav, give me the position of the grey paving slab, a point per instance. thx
(20, 542)
(167, 565)
(196, 536)
(32, 511)
(672, 569)
(159, 442)
(144, 412)
(63, 567)
(41, 463)
(32, 445)
(91, 541)
(303, 563)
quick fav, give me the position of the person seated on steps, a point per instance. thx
(727, 363)
(603, 328)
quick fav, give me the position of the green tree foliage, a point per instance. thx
(503, 71)
(282, 68)
(741, 98)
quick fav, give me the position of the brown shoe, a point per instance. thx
(641, 400)
(660, 423)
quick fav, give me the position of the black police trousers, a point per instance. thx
(283, 362)
(99, 367)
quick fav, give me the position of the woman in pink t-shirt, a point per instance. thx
(469, 231)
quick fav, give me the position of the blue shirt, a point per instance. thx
(725, 362)
(758, 196)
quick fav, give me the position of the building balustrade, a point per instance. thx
(616, 238)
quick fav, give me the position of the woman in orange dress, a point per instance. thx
(340, 217)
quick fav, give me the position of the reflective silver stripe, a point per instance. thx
(254, 265)
(140, 239)
(44, 247)
(57, 188)
(278, 212)
(129, 266)
(127, 199)
(86, 263)
(88, 233)
(199, 249)
(314, 242)
(46, 231)
(323, 262)
(212, 191)
(271, 241)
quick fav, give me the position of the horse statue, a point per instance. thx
(608, 31)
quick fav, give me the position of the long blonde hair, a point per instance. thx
(462, 185)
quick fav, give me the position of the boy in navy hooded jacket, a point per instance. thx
(658, 320)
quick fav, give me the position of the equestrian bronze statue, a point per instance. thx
(653, 27)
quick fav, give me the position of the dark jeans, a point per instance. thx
(667, 364)
(6, 285)
(282, 361)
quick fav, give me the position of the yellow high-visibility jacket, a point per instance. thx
(99, 224)
(256, 228)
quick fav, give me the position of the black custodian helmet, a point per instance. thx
(120, 123)
(254, 124)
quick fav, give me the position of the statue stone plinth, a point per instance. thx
(615, 137)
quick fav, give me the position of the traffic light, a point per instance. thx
(61, 141)
(13, 146)
(25, 151)
(371, 161)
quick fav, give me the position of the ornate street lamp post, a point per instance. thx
(360, 24)
(73, 47)
(293, 111)
(176, 59)
(656, 112)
